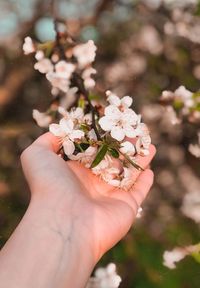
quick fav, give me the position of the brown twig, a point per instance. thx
(78, 81)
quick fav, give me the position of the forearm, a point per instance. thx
(42, 253)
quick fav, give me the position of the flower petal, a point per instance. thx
(76, 134)
(127, 148)
(126, 101)
(56, 130)
(118, 133)
(113, 99)
(105, 123)
(67, 125)
(130, 117)
(130, 131)
(68, 147)
(112, 111)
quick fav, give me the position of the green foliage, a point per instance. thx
(100, 155)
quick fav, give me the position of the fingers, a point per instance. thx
(45, 142)
(40, 156)
(142, 186)
(48, 141)
(143, 162)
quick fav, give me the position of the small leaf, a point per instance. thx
(93, 96)
(100, 155)
(81, 103)
(84, 127)
(113, 152)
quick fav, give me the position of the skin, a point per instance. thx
(73, 218)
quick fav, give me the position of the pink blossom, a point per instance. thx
(66, 130)
(44, 66)
(64, 69)
(85, 53)
(57, 82)
(119, 123)
(41, 119)
(28, 46)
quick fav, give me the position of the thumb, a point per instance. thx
(40, 156)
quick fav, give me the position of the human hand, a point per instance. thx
(100, 214)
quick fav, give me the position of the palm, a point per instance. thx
(106, 211)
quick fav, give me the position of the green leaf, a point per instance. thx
(84, 127)
(178, 105)
(93, 96)
(100, 155)
(113, 152)
(81, 103)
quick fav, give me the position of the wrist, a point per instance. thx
(78, 256)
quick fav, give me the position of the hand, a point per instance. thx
(101, 214)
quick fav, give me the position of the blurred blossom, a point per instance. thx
(105, 278)
(41, 119)
(152, 112)
(149, 40)
(133, 66)
(194, 149)
(189, 180)
(165, 178)
(176, 155)
(171, 257)
(191, 205)
(170, 3)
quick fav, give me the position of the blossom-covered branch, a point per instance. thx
(90, 132)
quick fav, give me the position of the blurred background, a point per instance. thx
(144, 47)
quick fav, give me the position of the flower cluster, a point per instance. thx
(105, 278)
(183, 104)
(62, 67)
(120, 134)
(90, 132)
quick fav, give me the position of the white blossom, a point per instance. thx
(127, 148)
(171, 257)
(127, 180)
(39, 55)
(85, 157)
(92, 135)
(119, 123)
(28, 46)
(139, 212)
(113, 99)
(144, 140)
(41, 119)
(66, 130)
(185, 95)
(64, 69)
(107, 172)
(105, 278)
(69, 97)
(89, 82)
(85, 53)
(44, 66)
(58, 82)
(194, 149)
(191, 205)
